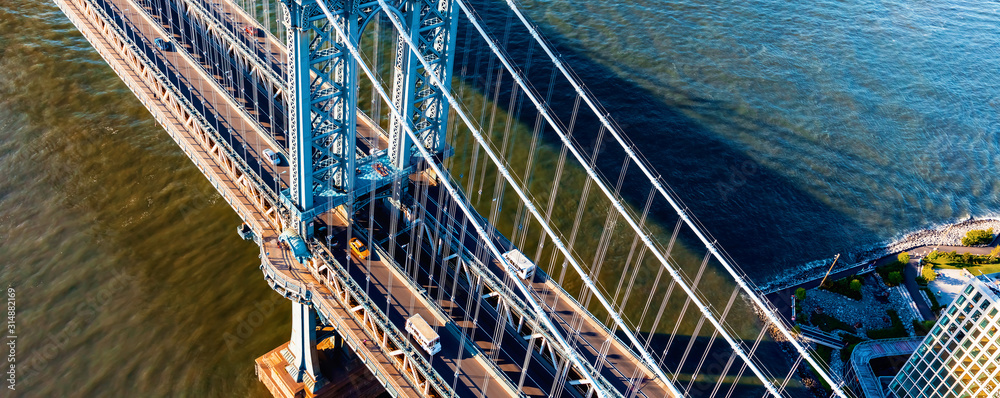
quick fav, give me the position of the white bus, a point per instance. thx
(429, 340)
(525, 268)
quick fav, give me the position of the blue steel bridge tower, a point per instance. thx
(324, 157)
(323, 90)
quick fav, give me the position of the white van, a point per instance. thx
(523, 266)
(429, 340)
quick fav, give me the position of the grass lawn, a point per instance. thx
(985, 268)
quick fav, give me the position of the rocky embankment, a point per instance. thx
(946, 235)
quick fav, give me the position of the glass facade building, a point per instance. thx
(960, 357)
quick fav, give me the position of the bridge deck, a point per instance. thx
(508, 356)
(388, 288)
(246, 134)
(476, 377)
(620, 366)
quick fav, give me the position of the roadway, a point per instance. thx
(208, 98)
(392, 295)
(252, 96)
(202, 62)
(190, 81)
(507, 349)
(620, 367)
(215, 102)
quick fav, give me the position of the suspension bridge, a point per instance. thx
(395, 158)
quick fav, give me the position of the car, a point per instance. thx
(250, 31)
(358, 249)
(162, 44)
(272, 157)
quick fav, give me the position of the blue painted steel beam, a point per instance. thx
(421, 103)
(322, 78)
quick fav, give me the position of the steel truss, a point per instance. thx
(470, 214)
(433, 25)
(322, 121)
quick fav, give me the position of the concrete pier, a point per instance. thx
(345, 375)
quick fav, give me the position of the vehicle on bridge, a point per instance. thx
(380, 169)
(358, 249)
(272, 157)
(424, 334)
(295, 244)
(163, 44)
(523, 267)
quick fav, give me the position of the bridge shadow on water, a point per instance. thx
(733, 195)
(736, 380)
(763, 219)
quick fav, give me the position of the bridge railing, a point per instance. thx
(269, 81)
(398, 340)
(521, 309)
(287, 287)
(188, 97)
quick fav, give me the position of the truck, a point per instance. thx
(424, 334)
(523, 267)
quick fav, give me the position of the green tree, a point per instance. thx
(895, 278)
(800, 294)
(967, 258)
(904, 257)
(927, 272)
(856, 285)
(933, 255)
(995, 253)
(978, 237)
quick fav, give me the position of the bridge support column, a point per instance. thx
(304, 364)
(300, 147)
(322, 112)
(412, 92)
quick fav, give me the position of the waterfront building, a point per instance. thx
(960, 357)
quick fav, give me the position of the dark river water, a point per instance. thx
(794, 130)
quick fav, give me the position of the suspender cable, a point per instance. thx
(681, 210)
(687, 302)
(586, 280)
(711, 341)
(722, 375)
(687, 351)
(560, 166)
(705, 309)
(638, 260)
(445, 179)
(791, 372)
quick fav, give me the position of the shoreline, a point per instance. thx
(944, 235)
